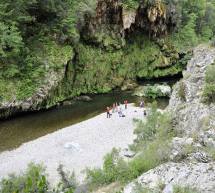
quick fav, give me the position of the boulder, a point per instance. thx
(83, 98)
(200, 176)
(129, 85)
(153, 91)
(127, 153)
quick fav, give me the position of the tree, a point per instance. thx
(187, 33)
(10, 40)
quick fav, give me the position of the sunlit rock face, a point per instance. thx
(151, 17)
(156, 18)
(128, 18)
(112, 20)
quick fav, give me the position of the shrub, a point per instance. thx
(114, 169)
(68, 182)
(209, 88)
(213, 42)
(157, 125)
(180, 189)
(33, 180)
(152, 141)
(182, 91)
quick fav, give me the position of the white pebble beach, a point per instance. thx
(76, 147)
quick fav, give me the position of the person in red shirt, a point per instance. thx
(126, 104)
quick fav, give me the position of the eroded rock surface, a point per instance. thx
(37, 100)
(194, 122)
(201, 175)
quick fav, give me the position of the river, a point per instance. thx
(27, 127)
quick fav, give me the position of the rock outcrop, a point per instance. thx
(151, 17)
(194, 122)
(106, 26)
(37, 101)
(198, 175)
(156, 17)
(153, 91)
(111, 21)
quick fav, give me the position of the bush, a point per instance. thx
(209, 88)
(179, 189)
(152, 141)
(182, 91)
(114, 169)
(213, 42)
(32, 181)
(157, 125)
(68, 182)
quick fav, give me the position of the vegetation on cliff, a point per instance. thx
(80, 37)
(209, 89)
(152, 148)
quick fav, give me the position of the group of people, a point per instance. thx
(116, 108)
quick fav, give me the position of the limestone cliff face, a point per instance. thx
(156, 18)
(194, 123)
(152, 17)
(105, 25)
(109, 12)
(108, 27)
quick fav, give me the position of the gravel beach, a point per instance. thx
(76, 147)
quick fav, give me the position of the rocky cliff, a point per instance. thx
(117, 45)
(192, 155)
(154, 18)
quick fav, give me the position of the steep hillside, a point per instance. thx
(191, 163)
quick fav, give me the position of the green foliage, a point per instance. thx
(145, 131)
(25, 77)
(33, 180)
(114, 169)
(182, 91)
(196, 23)
(179, 189)
(37, 36)
(10, 40)
(154, 92)
(130, 4)
(157, 124)
(67, 183)
(209, 88)
(187, 34)
(210, 151)
(152, 141)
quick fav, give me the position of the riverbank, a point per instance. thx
(76, 147)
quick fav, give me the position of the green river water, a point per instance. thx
(27, 127)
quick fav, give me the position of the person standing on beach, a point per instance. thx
(114, 108)
(142, 104)
(108, 112)
(126, 104)
(120, 112)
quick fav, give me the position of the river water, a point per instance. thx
(24, 128)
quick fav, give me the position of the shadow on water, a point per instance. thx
(21, 129)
